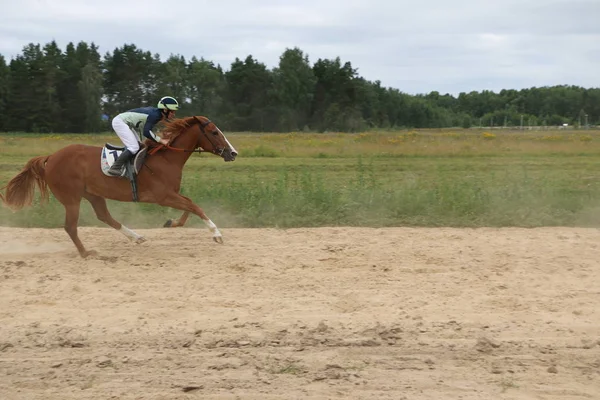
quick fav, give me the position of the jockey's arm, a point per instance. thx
(150, 122)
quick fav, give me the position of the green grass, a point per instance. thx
(406, 178)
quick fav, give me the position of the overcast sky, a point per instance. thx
(415, 46)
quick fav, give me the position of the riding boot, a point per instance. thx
(115, 169)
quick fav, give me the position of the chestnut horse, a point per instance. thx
(74, 172)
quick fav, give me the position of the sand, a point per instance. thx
(329, 313)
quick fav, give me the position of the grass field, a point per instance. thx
(405, 178)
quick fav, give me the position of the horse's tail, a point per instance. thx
(21, 189)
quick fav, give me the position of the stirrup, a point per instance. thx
(112, 171)
(129, 173)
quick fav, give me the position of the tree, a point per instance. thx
(173, 80)
(44, 89)
(75, 99)
(26, 106)
(335, 104)
(131, 78)
(248, 95)
(52, 77)
(4, 93)
(90, 92)
(69, 92)
(294, 83)
(206, 86)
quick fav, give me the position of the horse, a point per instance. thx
(74, 172)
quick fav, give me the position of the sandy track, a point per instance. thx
(301, 313)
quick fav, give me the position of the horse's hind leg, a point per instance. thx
(99, 205)
(177, 222)
(71, 220)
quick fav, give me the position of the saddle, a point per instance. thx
(130, 169)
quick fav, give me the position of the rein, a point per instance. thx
(163, 146)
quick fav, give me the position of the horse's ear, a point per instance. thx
(199, 121)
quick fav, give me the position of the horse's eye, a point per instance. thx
(215, 133)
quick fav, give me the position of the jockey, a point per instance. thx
(126, 124)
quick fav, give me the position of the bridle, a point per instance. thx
(201, 125)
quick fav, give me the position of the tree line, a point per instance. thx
(47, 89)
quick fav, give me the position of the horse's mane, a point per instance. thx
(170, 130)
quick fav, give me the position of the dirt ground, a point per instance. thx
(330, 313)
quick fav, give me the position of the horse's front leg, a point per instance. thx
(180, 202)
(176, 223)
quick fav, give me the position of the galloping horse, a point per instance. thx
(74, 172)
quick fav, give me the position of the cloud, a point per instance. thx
(416, 47)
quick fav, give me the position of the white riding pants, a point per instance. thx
(126, 134)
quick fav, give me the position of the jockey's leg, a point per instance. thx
(127, 136)
(129, 139)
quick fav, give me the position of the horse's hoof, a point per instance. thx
(168, 224)
(140, 240)
(89, 253)
(218, 239)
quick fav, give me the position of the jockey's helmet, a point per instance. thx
(168, 103)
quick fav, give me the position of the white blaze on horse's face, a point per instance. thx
(232, 149)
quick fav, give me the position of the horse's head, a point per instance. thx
(211, 139)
